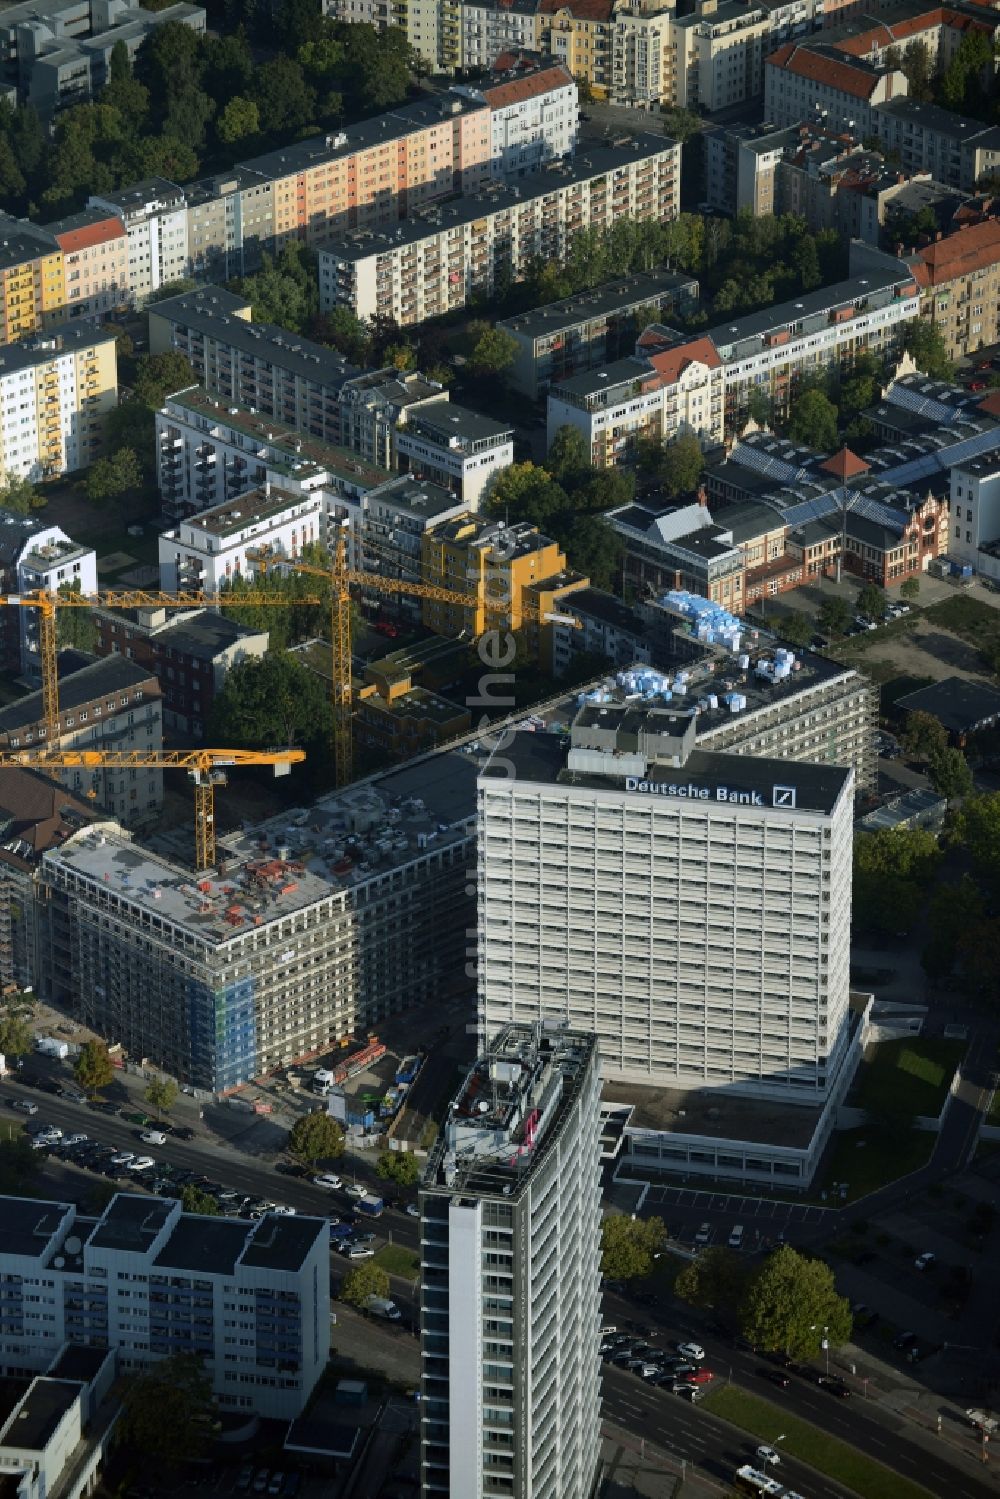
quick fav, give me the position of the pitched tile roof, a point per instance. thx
(972, 248)
(672, 362)
(845, 465)
(517, 90)
(845, 76)
(73, 235)
(580, 10)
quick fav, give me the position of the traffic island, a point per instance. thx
(810, 1445)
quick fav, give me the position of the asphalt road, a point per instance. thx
(702, 1440)
(204, 1155)
(883, 1437)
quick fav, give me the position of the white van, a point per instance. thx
(736, 1237)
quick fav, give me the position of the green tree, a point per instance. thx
(160, 375)
(15, 1032)
(493, 352)
(284, 291)
(171, 289)
(238, 122)
(834, 615)
(168, 1410)
(568, 458)
(629, 1245)
(93, 1068)
(950, 774)
(871, 601)
(123, 92)
(364, 1280)
(112, 477)
(398, 1166)
(951, 911)
(594, 549)
(346, 333)
(285, 101)
(273, 700)
(977, 828)
(316, 1137)
(918, 66)
(791, 1304)
(924, 342)
(891, 870)
(161, 1095)
(794, 627)
(759, 409)
(75, 627)
(681, 464)
(715, 1281)
(194, 1200)
(19, 1165)
(963, 82)
(19, 495)
(813, 421)
(680, 124)
(924, 737)
(909, 588)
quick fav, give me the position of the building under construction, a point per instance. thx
(300, 937)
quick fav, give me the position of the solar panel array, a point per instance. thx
(930, 464)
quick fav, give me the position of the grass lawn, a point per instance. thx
(396, 1259)
(864, 1161)
(973, 620)
(802, 1440)
(911, 1076)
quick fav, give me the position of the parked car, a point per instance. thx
(701, 1376)
(182, 1132)
(834, 1385)
(704, 1234)
(328, 1179)
(244, 1478)
(693, 1351)
(261, 1481)
(24, 1105)
(412, 1211)
(291, 1168)
(768, 1456)
(122, 1158)
(924, 1261)
(141, 1163)
(74, 1141)
(354, 1190)
(776, 1376)
(283, 1211)
(153, 1137)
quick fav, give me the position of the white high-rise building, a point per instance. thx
(510, 1277)
(691, 908)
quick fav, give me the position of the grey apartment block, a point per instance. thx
(692, 908)
(250, 1297)
(222, 976)
(510, 1275)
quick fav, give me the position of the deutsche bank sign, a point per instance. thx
(781, 796)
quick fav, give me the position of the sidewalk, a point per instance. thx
(630, 1465)
(931, 1420)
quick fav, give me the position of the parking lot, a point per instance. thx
(686, 1209)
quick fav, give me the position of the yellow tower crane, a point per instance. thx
(206, 767)
(342, 578)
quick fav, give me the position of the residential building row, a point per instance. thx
(576, 334)
(211, 450)
(57, 53)
(640, 56)
(34, 554)
(438, 261)
(128, 244)
(110, 704)
(832, 181)
(704, 385)
(142, 1280)
(56, 390)
(60, 1426)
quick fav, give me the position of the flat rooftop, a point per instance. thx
(256, 887)
(603, 301)
(705, 777)
(214, 312)
(591, 161)
(293, 452)
(268, 503)
(284, 1243)
(933, 117)
(717, 1114)
(70, 338)
(29, 1227)
(491, 1144)
(35, 1421)
(960, 704)
(456, 426)
(417, 497)
(131, 1223)
(79, 1362)
(211, 1246)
